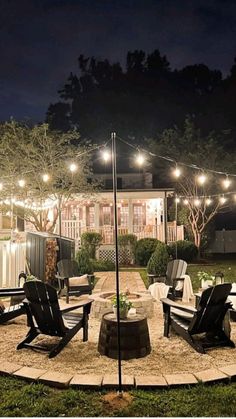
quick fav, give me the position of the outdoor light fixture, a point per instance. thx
(140, 159)
(177, 172)
(185, 201)
(73, 167)
(21, 183)
(106, 155)
(226, 183)
(201, 179)
(197, 202)
(177, 200)
(45, 177)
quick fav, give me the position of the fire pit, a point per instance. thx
(102, 303)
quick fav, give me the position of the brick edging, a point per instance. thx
(65, 380)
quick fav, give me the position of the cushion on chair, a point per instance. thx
(75, 281)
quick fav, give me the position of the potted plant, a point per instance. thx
(205, 279)
(124, 305)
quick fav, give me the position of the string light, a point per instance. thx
(201, 179)
(73, 167)
(208, 201)
(226, 183)
(197, 202)
(21, 183)
(186, 201)
(140, 159)
(45, 177)
(177, 200)
(106, 155)
(222, 200)
(177, 172)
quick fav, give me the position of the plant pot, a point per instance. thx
(123, 312)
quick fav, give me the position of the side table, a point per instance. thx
(134, 337)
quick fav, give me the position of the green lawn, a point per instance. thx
(228, 267)
(18, 398)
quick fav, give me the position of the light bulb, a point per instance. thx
(106, 156)
(185, 201)
(201, 179)
(222, 200)
(140, 159)
(73, 167)
(226, 183)
(45, 177)
(197, 202)
(177, 172)
(177, 200)
(208, 201)
(21, 183)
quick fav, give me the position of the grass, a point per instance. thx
(227, 266)
(19, 398)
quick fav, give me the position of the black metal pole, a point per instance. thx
(176, 226)
(59, 216)
(114, 174)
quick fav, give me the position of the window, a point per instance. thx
(138, 215)
(124, 216)
(91, 216)
(106, 212)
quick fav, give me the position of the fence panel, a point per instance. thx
(12, 261)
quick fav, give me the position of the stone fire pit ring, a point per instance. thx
(142, 302)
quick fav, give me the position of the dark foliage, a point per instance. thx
(186, 250)
(144, 249)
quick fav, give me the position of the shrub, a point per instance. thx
(90, 241)
(144, 249)
(186, 250)
(157, 263)
(84, 262)
(127, 242)
(102, 265)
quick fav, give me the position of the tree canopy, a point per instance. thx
(35, 171)
(144, 98)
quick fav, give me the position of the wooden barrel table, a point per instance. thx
(134, 337)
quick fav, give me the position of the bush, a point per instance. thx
(157, 264)
(90, 241)
(84, 262)
(186, 250)
(127, 243)
(103, 265)
(144, 249)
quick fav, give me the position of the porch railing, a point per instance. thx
(74, 230)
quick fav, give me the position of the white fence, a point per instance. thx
(12, 261)
(74, 230)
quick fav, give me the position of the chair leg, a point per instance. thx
(63, 342)
(166, 311)
(85, 327)
(30, 336)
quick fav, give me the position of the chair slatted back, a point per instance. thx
(68, 268)
(211, 309)
(175, 269)
(44, 308)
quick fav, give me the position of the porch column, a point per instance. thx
(130, 206)
(164, 217)
(96, 216)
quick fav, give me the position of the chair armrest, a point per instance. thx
(171, 303)
(66, 310)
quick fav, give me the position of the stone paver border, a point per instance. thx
(62, 380)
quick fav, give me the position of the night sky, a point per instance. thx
(42, 39)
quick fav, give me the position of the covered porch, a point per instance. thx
(142, 213)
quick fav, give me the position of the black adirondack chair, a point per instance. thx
(45, 317)
(68, 269)
(205, 326)
(16, 308)
(175, 270)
